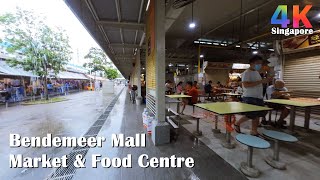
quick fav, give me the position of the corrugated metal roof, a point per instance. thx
(7, 70)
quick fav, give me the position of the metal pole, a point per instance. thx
(276, 150)
(249, 160)
(228, 133)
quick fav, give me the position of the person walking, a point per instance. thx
(253, 93)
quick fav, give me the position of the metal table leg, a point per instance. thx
(247, 168)
(228, 143)
(197, 132)
(274, 161)
(215, 129)
(292, 119)
(307, 112)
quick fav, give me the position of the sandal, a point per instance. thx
(237, 128)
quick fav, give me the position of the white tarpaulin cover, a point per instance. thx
(96, 77)
(71, 75)
(5, 69)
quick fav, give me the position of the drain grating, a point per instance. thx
(68, 172)
(93, 131)
(99, 123)
(103, 116)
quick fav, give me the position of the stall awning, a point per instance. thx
(5, 69)
(71, 75)
(96, 77)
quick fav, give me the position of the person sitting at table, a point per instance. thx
(279, 91)
(195, 84)
(169, 88)
(191, 91)
(252, 94)
(179, 88)
(208, 89)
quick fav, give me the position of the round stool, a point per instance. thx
(197, 117)
(252, 142)
(276, 137)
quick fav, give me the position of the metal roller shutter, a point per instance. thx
(302, 75)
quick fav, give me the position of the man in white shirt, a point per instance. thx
(279, 91)
(252, 84)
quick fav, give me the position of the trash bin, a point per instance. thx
(139, 101)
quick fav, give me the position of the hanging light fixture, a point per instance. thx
(192, 25)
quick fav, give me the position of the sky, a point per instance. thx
(58, 14)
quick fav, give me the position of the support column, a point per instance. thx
(138, 72)
(161, 129)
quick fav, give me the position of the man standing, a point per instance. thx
(253, 93)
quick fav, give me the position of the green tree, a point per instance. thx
(98, 60)
(111, 73)
(44, 49)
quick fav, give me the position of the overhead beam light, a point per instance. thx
(148, 5)
(201, 56)
(318, 15)
(254, 52)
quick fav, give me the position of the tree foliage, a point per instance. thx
(98, 60)
(111, 73)
(44, 49)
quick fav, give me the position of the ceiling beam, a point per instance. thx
(124, 25)
(119, 45)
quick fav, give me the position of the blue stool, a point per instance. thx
(252, 142)
(276, 137)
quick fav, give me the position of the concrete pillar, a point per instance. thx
(161, 129)
(160, 58)
(138, 71)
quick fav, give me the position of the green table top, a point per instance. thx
(223, 108)
(293, 102)
(178, 96)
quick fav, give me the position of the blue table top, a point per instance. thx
(252, 141)
(279, 136)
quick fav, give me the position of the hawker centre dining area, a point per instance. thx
(215, 70)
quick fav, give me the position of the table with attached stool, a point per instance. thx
(252, 142)
(276, 137)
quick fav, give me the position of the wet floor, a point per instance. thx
(69, 118)
(75, 116)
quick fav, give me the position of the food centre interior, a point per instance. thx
(155, 44)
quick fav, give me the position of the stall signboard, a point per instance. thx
(218, 65)
(301, 43)
(314, 38)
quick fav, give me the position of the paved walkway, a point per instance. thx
(126, 118)
(75, 116)
(68, 118)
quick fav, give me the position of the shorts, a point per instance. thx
(257, 102)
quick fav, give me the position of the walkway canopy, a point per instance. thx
(231, 29)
